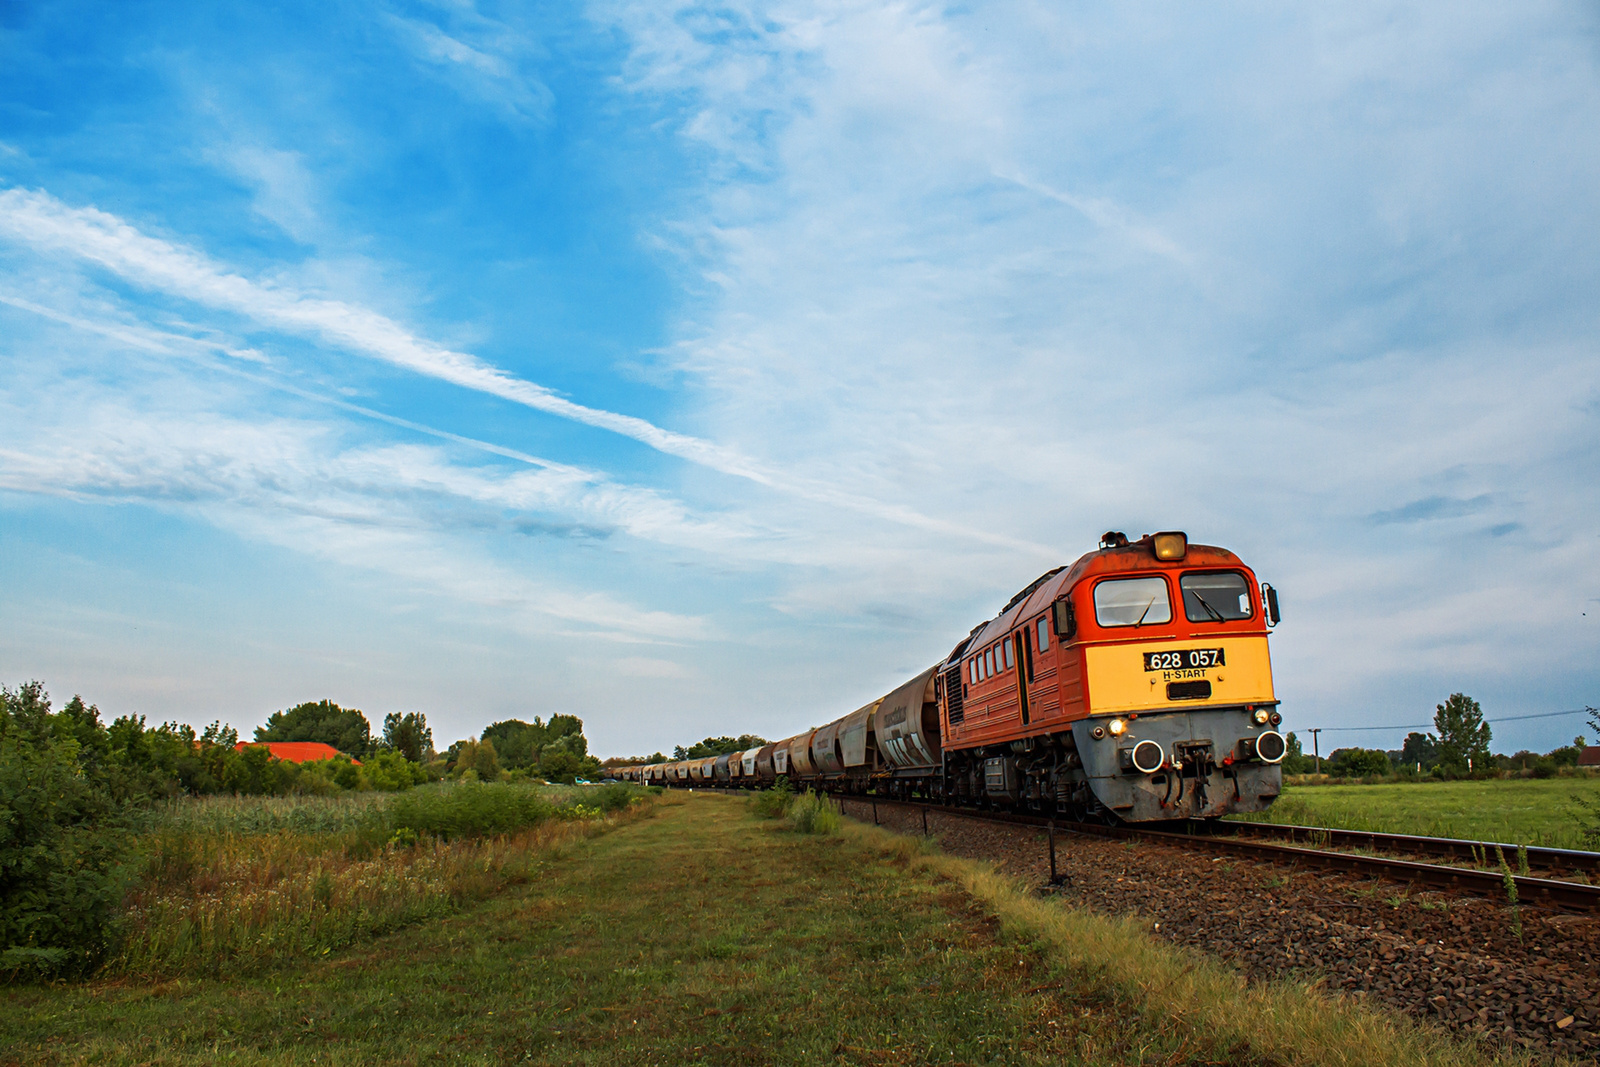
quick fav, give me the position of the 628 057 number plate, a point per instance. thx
(1183, 659)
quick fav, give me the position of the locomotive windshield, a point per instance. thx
(1217, 597)
(1132, 602)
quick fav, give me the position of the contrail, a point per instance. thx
(43, 222)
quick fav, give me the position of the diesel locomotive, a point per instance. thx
(1134, 685)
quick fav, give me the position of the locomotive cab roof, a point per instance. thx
(1169, 550)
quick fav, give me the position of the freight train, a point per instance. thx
(1134, 686)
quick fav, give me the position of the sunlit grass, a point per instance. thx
(711, 935)
(230, 882)
(1526, 811)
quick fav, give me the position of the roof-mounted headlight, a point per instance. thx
(1174, 544)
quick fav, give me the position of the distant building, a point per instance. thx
(1589, 756)
(297, 751)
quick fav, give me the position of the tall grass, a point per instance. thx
(774, 803)
(813, 813)
(264, 815)
(249, 881)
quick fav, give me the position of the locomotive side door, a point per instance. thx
(1021, 654)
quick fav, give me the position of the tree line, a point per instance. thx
(74, 790)
(1459, 747)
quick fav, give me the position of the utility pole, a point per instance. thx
(1316, 749)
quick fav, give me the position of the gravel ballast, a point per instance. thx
(1522, 976)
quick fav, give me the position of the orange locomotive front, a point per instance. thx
(1137, 681)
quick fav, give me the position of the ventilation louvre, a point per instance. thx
(952, 694)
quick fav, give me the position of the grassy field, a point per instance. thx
(700, 934)
(231, 883)
(1525, 811)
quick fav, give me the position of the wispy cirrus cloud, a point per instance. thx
(406, 510)
(486, 60)
(47, 224)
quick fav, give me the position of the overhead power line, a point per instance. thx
(1429, 725)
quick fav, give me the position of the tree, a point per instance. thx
(517, 743)
(485, 762)
(346, 729)
(1463, 740)
(63, 835)
(1359, 763)
(719, 746)
(1420, 749)
(408, 735)
(634, 760)
(1295, 761)
(521, 745)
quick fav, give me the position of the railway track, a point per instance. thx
(1556, 861)
(1548, 892)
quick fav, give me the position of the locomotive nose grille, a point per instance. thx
(1200, 690)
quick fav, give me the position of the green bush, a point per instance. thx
(813, 813)
(614, 797)
(391, 772)
(468, 809)
(1360, 763)
(774, 803)
(63, 834)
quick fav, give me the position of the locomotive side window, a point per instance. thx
(1132, 602)
(1009, 663)
(1220, 596)
(1044, 634)
(988, 663)
(972, 671)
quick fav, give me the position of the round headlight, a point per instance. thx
(1147, 757)
(1271, 747)
(1261, 716)
(1117, 726)
(1099, 732)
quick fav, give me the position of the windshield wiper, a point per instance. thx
(1143, 613)
(1215, 614)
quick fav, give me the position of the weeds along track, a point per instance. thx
(1457, 952)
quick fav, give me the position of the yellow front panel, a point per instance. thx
(1118, 682)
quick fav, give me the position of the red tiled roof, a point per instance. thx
(298, 751)
(1589, 756)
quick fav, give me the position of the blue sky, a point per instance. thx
(708, 369)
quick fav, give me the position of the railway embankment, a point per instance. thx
(1519, 978)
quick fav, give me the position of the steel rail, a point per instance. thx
(1554, 859)
(1547, 891)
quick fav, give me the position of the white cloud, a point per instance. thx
(285, 190)
(1313, 268)
(493, 69)
(45, 223)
